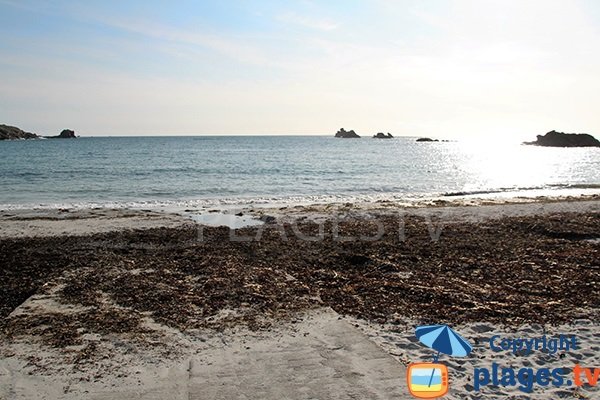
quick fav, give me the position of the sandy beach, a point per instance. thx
(299, 200)
(146, 304)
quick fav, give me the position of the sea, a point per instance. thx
(200, 171)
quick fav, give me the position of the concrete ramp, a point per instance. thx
(320, 356)
(326, 358)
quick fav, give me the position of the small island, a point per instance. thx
(382, 135)
(65, 134)
(8, 132)
(344, 134)
(561, 139)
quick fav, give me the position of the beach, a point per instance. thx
(129, 301)
(299, 200)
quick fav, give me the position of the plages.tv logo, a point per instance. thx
(428, 380)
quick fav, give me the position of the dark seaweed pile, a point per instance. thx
(509, 271)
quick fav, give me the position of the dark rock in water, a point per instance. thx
(426, 139)
(12, 132)
(382, 135)
(65, 134)
(560, 139)
(342, 133)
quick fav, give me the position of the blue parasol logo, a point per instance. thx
(443, 339)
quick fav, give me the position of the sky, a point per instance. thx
(483, 69)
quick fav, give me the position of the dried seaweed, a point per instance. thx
(510, 270)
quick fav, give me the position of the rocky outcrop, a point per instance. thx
(65, 134)
(382, 135)
(560, 139)
(342, 133)
(12, 132)
(426, 139)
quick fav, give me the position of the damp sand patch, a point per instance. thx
(231, 221)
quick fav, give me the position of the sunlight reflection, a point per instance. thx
(510, 166)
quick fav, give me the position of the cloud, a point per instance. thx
(233, 48)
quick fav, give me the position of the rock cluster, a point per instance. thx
(382, 135)
(65, 134)
(560, 139)
(12, 132)
(8, 132)
(342, 133)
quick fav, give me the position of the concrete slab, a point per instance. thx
(327, 359)
(321, 356)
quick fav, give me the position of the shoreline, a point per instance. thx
(115, 305)
(473, 197)
(42, 222)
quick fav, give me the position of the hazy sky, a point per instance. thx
(440, 68)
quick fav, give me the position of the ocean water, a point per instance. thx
(212, 170)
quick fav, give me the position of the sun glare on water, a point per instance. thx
(515, 166)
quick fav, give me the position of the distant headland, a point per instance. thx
(13, 133)
(8, 132)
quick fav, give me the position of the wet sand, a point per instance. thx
(88, 309)
(73, 222)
